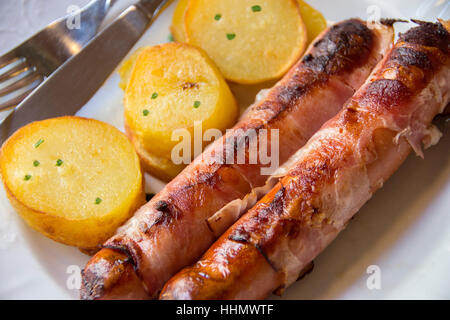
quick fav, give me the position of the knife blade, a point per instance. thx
(77, 80)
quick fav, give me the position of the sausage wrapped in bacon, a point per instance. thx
(330, 178)
(179, 223)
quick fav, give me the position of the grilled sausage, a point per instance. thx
(330, 178)
(176, 226)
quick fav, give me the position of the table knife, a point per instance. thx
(77, 80)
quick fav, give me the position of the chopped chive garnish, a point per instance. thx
(27, 177)
(59, 163)
(197, 104)
(98, 200)
(231, 36)
(256, 8)
(217, 17)
(145, 112)
(154, 95)
(38, 143)
(170, 37)
(36, 163)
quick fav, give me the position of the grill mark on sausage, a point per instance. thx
(406, 57)
(122, 249)
(386, 94)
(94, 283)
(261, 251)
(278, 203)
(206, 178)
(346, 45)
(422, 51)
(244, 239)
(167, 210)
(428, 34)
(243, 235)
(162, 206)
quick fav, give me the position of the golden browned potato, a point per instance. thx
(314, 21)
(177, 27)
(171, 87)
(160, 167)
(126, 68)
(75, 180)
(250, 41)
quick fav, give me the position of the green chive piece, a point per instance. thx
(256, 8)
(231, 36)
(197, 104)
(145, 112)
(59, 163)
(217, 17)
(170, 38)
(27, 177)
(98, 201)
(38, 143)
(36, 163)
(154, 95)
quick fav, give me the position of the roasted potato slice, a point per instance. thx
(126, 68)
(314, 21)
(171, 87)
(160, 167)
(250, 41)
(75, 180)
(177, 27)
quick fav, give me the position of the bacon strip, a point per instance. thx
(175, 227)
(339, 169)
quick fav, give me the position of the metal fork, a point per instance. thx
(25, 67)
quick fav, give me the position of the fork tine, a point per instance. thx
(8, 58)
(17, 100)
(16, 70)
(32, 77)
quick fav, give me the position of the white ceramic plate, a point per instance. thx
(404, 230)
